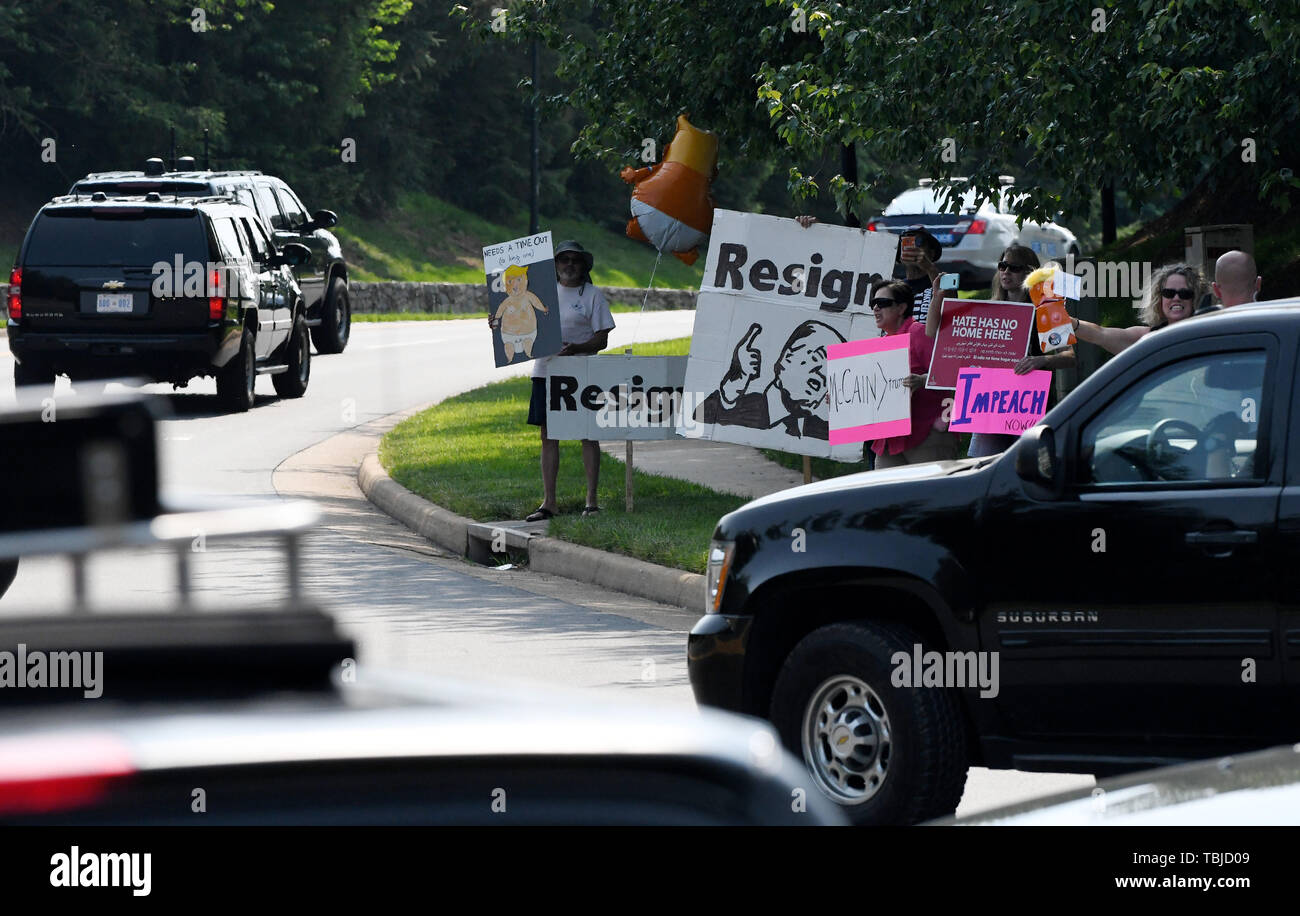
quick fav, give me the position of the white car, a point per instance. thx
(973, 239)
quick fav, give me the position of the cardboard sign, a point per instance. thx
(523, 297)
(998, 400)
(977, 332)
(614, 397)
(772, 259)
(757, 374)
(868, 398)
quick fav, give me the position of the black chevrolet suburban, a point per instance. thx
(1116, 591)
(161, 287)
(323, 279)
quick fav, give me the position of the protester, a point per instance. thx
(892, 303)
(585, 323)
(1235, 279)
(1167, 300)
(1016, 263)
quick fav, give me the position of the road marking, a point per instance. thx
(406, 343)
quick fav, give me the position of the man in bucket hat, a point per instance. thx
(585, 323)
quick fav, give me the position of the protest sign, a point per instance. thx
(614, 397)
(998, 400)
(522, 299)
(868, 399)
(976, 332)
(824, 267)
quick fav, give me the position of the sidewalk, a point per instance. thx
(735, 469)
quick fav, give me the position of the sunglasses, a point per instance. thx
(883, 303)
(1013, 268)
(1184, 294)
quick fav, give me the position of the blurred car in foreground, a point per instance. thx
(973, 238)
(261, 715)
(1258, 789)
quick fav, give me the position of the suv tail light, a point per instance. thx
(871, 226)
(216, 304)
(16, 294)
(977, 227)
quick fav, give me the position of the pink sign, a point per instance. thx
(998, 400)
(868, 399)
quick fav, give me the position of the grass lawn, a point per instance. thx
(475, 455)
(615, 307)
(425, 238)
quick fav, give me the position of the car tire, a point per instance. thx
(907, 760)
(237, 379)
(297, 351)
(331, 335)
(32, 373)
(8, 570)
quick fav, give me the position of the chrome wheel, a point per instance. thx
(847, 740)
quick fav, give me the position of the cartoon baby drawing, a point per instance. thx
(514, 316)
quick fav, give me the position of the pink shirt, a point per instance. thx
(927, 403)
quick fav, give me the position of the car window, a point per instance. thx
(267, 208)
(231, 246)
(293, 212)
(253, 240)
(245, 197)
(1196, 419)
(112, 236)
(930, 200)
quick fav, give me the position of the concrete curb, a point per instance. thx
(545, 554)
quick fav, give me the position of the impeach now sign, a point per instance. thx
(998, 400)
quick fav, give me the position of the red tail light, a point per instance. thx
(871, 226)
(41, 774)
(977, 227)
(16, 294)
(216, 304)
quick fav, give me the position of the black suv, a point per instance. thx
(1116, 591)
(324, 280)
(167, 288)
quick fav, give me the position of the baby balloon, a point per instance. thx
(671, 206)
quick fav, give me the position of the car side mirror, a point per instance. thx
(293, 254)
(1036, 456)
(323, 219)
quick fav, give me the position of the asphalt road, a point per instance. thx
(408, 605)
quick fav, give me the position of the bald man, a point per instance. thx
(1235, 280)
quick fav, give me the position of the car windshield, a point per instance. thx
(927, 200)
(126, 236)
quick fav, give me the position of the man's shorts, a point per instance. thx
(537, 403)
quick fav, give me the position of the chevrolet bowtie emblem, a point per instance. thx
(114, 284)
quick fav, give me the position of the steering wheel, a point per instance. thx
(1160, 452)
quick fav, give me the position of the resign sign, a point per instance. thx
(979, 333)
(998, 401)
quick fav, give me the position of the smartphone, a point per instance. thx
(908, 242)
(949, 281)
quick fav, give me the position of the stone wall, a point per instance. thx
(453, 298)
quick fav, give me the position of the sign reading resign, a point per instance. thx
(868, 397)
(998, 400)
(614, 397)
(975, 332)
(830, 268)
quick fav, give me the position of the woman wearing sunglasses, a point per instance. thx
(929, 440)
(1170, 297)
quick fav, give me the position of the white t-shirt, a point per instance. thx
(583, 313)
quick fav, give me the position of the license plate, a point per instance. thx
(945, 238)
(115, 304)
